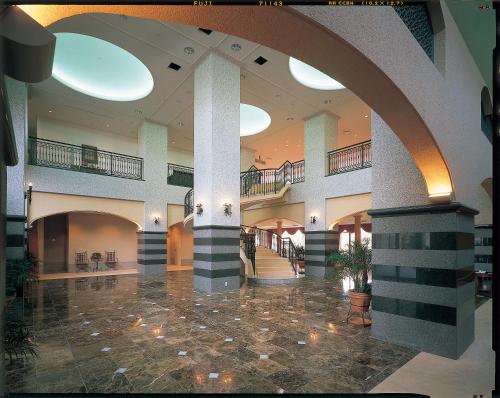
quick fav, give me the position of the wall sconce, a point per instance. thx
(228, 209)
(313, 219)
(156, 220)
(27, 194)
(199, 209)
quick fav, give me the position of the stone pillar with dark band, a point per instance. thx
(216, 258)
(483, 258)
(16, 237)
(423, 277)
(151, 252)
(318, 244)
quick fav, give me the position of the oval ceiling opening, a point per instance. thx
(253, 120)
(98, 68)
(311, 77)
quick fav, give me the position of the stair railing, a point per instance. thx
(247, 243)
(264, 238)
(256, 181)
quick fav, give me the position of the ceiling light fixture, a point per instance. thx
(189, 50)
(100, 69)
(311, 77)
(253, 120)
(235, 47)
(50, 110)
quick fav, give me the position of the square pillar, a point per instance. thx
(152, 240)
(318, 244)
(483, 248)
(320, 136)
(216, 265)
(423, 277)
(16, 186)
(151, 252)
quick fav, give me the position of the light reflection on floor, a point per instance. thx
(130, 333)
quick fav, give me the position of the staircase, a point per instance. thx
(269, 265)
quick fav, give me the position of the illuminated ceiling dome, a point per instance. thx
(99, 68)
(253, 120)
(311, 77)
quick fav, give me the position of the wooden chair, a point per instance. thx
(82, 260)
(110, 258)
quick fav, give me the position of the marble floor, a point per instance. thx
(131, 333)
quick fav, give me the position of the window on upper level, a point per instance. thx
(417, 19)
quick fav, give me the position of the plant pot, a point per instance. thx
(360, 302)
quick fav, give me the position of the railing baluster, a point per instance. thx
(67, 156)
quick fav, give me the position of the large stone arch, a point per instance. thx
(309, 39)
(45, 204)
(338, 208)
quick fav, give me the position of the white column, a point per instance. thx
(320, 136)
(217, 140)
(217, 174)
(152, 241)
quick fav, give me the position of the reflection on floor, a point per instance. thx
(72, 275)
(472, 375)
(141, 334)
(126, 271)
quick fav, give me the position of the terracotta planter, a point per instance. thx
(360, 302)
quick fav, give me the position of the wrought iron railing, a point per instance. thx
(247, 242)
(256, 181)
(354, 157)
(181, 176)
(284, 247)
(189, 203)
(59, 155)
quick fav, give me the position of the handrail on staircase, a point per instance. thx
(256, 181)
(264, 238)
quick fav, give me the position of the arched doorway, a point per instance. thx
(66, 242)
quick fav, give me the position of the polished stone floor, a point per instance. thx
(130, 333)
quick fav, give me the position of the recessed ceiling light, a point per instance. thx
(365, 115)
(174, 66)
(206, 31)
(253, 120)
(260, 60)
(50, 110)
(189, 50)
(235, 47)
(311, 77)
(98, 68)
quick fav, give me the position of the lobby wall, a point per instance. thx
(99, 233)
(180, 244)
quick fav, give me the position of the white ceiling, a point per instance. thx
(157, 44)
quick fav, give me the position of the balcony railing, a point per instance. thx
(59, 155)
(350, 158)
(189, 203)
(181, 176)
(268, 181)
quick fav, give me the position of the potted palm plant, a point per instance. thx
(355, 263)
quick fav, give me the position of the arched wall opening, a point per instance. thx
(44, 204)
(312, 42)
(65, 242)
(180, 244)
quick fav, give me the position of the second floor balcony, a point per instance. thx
(84, 158)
